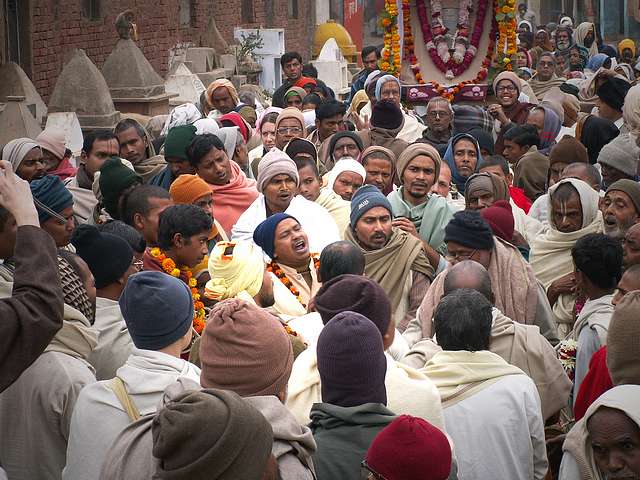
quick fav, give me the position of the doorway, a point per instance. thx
(16, 18)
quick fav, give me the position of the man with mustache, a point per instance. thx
(621, 207)
(394, 258)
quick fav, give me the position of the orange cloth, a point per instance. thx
(232, 199)
(186, 189)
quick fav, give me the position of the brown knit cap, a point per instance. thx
(568, 150)
(246, 350)
(623, 341)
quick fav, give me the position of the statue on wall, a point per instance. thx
(125, 25)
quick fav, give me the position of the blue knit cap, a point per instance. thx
(366, 198)
(264, 233)
(157, 308)
(52, 195)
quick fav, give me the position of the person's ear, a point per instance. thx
(178, 240)
(138, 221)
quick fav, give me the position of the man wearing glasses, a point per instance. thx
(439, 121)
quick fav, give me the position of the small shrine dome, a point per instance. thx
(332, 29)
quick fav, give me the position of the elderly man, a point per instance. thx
(469, 237)
(618, 159)
(342, 144)
(278, 183)
(621, 207)
(546, 78)
(136, 146)
(416, 211)
(520, 345)
(631, 247)
(289, 125)
(439, 120)
(470, 378)
(394, 258)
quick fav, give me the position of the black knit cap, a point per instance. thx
(108, 256)
(469, 229)
(386, 114)
(613, 91)
(342, 134)
(301, 145)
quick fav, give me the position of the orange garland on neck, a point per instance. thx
(274, 268)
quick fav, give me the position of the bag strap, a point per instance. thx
(117, 385)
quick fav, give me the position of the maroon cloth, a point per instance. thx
(499, 216)
(520, 198)
(517, 114)
(595, 383)
(65, 170)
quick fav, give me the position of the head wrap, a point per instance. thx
(410, 447)
(621, 153)
(469, 229)
(303, 81)
(581, 33)
(414, 150)
(230, 138)
(507, 75)
(292, 112)
(249, 115)
(301, 145)
(377, 149)
(351, 361)
(469, 117)
(568, 150)
(74, 292)
(589, 199)
(499, 216)
(363, 200)
(527, 23)
(186, 189)
(486, 183)
(550, 130)
(108, 257)
(50, 196)
(15, 151)
(528, 57)
(594, 133)
(222, 82)
(387, 115)
(627, 43)
(264, 233)
(630, 187)
(596, 62)
(239, 122)
(354, 293)
(449, 158)
(274, 163)
(157, 308)
(296, 91)
(53, 139)
(631, 110)
(263, 115)
(613, 91)
(246, 350)
(242, 270)
(206, 125)
(385, 79)
(342, 134)
(178, 140)
(371, 77)
(345, 165)
(115, 177)
(184, 114)
(566, 21)
(623, 341)
(359, 99)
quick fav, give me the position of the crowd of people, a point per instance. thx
(324, 289)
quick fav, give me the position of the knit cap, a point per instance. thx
(187, 188)
(613, 91)
(629, 187)
(499, 216)
(354, 293)
(157, 308)
(236, 119)
(246, 350)
(568, 150)
(291, 112)
(621, 153)
(50, 195)
(385, 79)
(387, 115)
(178, 140)
(623, 341)
(351, 361)
(410, 447)
(301, 145)
(53, 139)
(364, 199)
(234, 267)
(264, 234)
(414, 150)
(115, 177)
(108, 257)
(274, 163)
(469, 229)
(342, 134)
(510, 76)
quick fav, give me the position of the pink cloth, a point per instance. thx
(65, 170)
(231, 200)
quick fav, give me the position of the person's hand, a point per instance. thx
(406, 225)
(518, 240)
(358, 121)
(15, 196)
(497, 112)
(565, 284)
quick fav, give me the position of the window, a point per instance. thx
(91, 9)
(186, 13)
(292, 8)
(247, 11)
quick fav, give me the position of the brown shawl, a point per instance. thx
(531, 173)
(381, 137)
(514, 286)
(390, 265)
(540, 88)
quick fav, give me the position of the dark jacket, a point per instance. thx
(33, 314)
(278, 95)
(343, 436)
(163, 179)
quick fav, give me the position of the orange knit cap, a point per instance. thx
(186, 189)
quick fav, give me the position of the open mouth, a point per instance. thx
(300, 246)
(284, 196)
(610, 221)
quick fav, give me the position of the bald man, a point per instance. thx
(340, 258)
(521, 345)
(585, 172)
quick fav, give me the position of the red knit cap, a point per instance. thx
(499, 216)
(410, 447)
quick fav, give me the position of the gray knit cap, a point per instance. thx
(621, 153)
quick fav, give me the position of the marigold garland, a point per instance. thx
(505, 15)
(391, 55)
(274, 268)
(186, 275)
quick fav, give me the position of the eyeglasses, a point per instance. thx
(368, 473)
(508, 88)
(293, 130)
(460, 257)
(437, 114)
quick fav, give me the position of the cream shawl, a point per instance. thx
(76, 337)
(337, 207)
(541, 88)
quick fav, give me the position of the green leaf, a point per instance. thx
(500, 17)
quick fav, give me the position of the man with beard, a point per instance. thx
(618, 159)
(627, 51)
(586, 37)
(564, 42)
(393, 258)
(621, 207)
(439, 120)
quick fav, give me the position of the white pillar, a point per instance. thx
(322, 11)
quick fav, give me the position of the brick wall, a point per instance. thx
(59, 26)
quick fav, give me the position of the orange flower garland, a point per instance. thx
(505, 14)
(274, 268)
(169, 266)
(391, 55)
